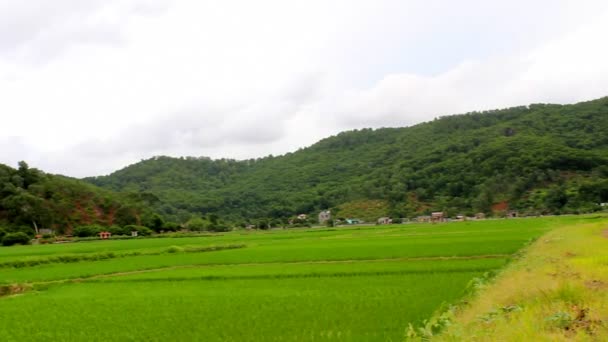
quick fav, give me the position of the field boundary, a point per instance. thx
(286, 276)
(556, 291)
(71, 258)
(8, 290)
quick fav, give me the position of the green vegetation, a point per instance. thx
(351, 284)
(556, 292)
(32, 200)
(537, 159)
(18, 238)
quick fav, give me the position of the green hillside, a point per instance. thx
(537, 159)
(31, 199)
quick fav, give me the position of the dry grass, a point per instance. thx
(558, 291)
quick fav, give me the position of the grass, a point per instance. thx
(560, 290)
(351, 284)
(358, 308)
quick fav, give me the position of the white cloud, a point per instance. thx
(88, 87)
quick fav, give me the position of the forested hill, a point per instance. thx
(31, 199)
(538, 159)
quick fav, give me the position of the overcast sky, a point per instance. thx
(88, 87)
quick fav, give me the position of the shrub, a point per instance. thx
(154, 222)
(172, 226)
(118, 230)
(2, 233)
(87, 231)
(197, 224)
(174, 249)
(561, 320)
(141, 230)
(219, 227)
(15, 238)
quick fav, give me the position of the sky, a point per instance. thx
(89, 87)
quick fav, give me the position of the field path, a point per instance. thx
(313, 262)
(24, 287)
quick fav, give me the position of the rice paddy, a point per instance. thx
(346, 284)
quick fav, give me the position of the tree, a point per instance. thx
(556, 198)
(154, 222)
(18, 238)
(197, 224)
(26, 208)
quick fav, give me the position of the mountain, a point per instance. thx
(30, 199)
(541, 158)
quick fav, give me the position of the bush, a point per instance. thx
(15, 238)
(87, 231)
(175, 249)
(219, 227)
(141, 230)
(154, 222)
(172, 226)
(197, 224)
(118, 230)
(2, 233)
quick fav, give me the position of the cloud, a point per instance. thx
(37, 31)
(89, 87)
(569, 69)
(14, 149)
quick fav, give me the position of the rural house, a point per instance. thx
(437, 216)
(423, 219)
(385, 220)
(480, 216)
(105, 235)
(324, 216)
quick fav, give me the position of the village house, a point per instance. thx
(437, 216)
(352, 221)
(105, 235)
(385, 220)
(512, 214)
(423, 219)
(324, 216)
(302, 217)
(480, 216)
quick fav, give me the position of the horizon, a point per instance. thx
(487, 111)
(92, 87)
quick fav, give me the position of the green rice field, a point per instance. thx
(319, 284)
